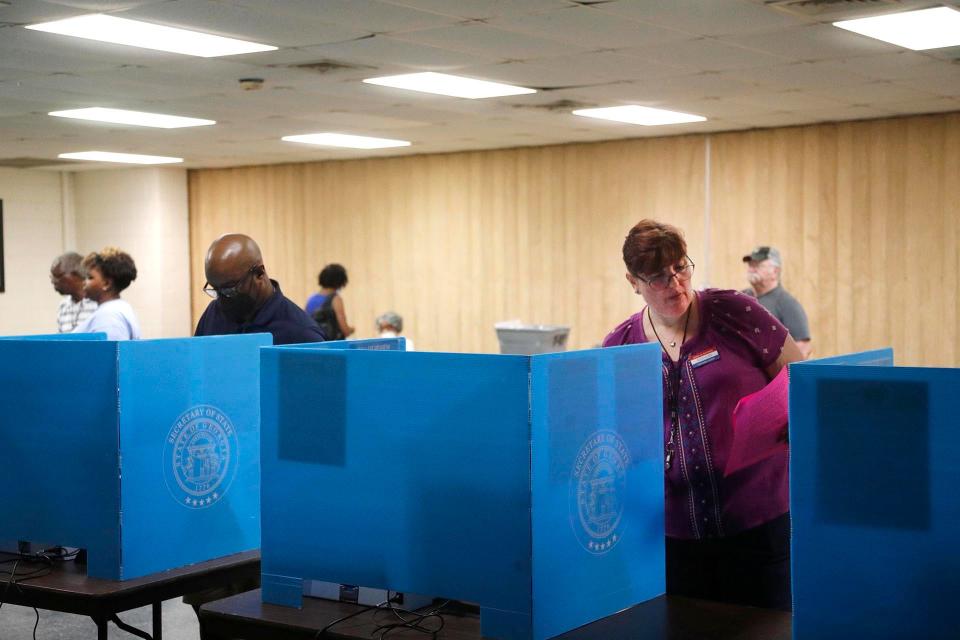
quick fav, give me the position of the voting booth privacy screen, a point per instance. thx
(874, 499)
(532, 486)
(145, 453)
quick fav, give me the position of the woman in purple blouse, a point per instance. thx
(727, 538)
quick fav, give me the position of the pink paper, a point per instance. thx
(760, 424)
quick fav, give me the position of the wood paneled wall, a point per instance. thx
(866, 215)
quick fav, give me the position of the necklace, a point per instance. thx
(673, 343)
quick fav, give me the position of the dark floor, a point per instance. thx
(16, 623)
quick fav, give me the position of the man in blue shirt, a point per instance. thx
(246, 300)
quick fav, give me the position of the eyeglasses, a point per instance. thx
(231, 289)
(682, 272)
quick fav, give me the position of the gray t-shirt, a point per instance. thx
(785, 308)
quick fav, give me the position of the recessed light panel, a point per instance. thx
(448, 85)
(346, 140)
(917, 30)
(149, 36)
(123, 158)
(137, 118)
(635, 114)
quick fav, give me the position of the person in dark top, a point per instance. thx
(326, 307)
(246, 300)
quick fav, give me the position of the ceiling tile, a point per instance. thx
(582, 69)
(894, 66)
(927, 105)
(588, 27)
(796, 75)
(481, 40)
(849, 113)
(103, 6)
(387, 50)
(703, 54)
(257, 23)
(795, 101)
(871, 93)
(34, 11)
(812, 42)
(943, 84)
(700, 17)
(482, 9)
(366, 15)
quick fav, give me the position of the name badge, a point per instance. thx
(704, 357)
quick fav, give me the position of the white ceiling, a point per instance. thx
(741, 63)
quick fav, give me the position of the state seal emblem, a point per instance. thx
(598, 490)
(200, 457)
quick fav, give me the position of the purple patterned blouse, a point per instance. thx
(726, 360)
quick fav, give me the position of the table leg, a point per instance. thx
(101, 628)
(157, 621)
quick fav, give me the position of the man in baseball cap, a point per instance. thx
(764, 268)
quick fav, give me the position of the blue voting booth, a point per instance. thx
(145, 453)
(530, 485)
(874, 499)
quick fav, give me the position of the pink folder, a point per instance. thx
(760, 425)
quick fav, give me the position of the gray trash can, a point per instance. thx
(527, 339)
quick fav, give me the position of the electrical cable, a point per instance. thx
(415, 622)
(323, 631)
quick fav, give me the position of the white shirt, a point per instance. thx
(71, 314)
(393, 334)
(114, 318)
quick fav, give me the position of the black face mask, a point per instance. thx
(239, 308)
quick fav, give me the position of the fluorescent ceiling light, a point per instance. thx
(346, 140)
(447, 85)
(149, 36)
(917, 30)
(138, 118)
(635, 114)
(125, 158)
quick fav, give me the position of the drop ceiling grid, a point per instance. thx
(735, 61)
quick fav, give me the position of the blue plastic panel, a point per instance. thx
(876, 357)
(373, 477)
(597, 484)
(92, 429)
(59, 336)
(874, 479)
(370, 344)
(59, 464)
(190, 442)
(461, 476)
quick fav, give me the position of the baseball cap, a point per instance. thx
(759, 254)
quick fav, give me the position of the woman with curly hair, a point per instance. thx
(109, 272)
(327, 307)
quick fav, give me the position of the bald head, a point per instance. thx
(230, 257)
(234, 267)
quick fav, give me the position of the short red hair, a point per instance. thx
(651, 247)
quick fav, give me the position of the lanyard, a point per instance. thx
(673, 389)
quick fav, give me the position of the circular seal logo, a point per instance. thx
(598, 490)
(200, 457)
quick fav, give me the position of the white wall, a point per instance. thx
(145, 213)
(32, 237)
(142, 211)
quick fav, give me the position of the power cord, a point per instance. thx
(322, 632)
(14, 578)
(413, 623)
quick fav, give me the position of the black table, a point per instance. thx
(67, 588)
(244, 617)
